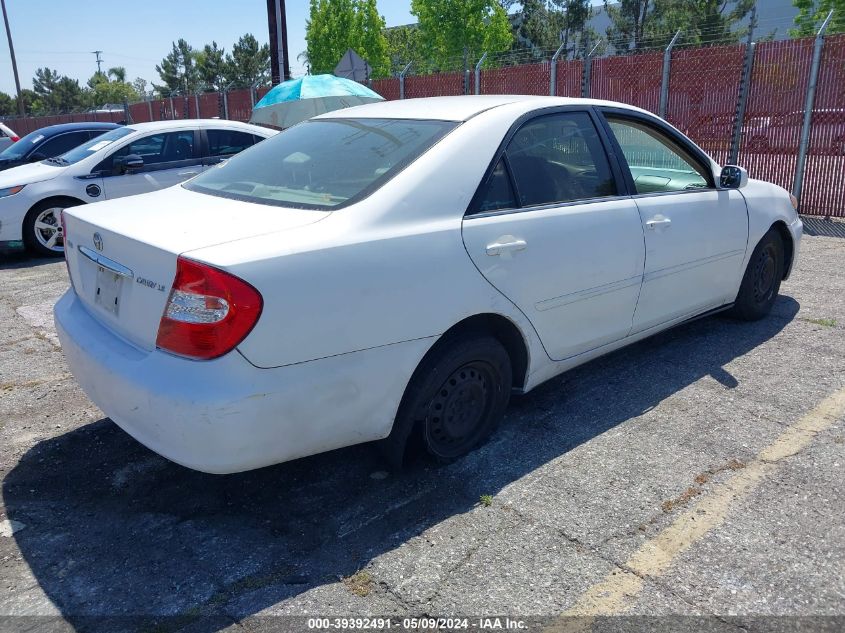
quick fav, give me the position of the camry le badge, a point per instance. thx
(98, 241)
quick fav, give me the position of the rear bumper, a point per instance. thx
(226, 415)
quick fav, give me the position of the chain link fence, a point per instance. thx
(740, 104)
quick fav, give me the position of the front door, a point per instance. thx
(695, 233)
(550, 230)
(169, 158)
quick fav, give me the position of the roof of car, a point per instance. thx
(459, 108)
(183, 123)
(52, 130)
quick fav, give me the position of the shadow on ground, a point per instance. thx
(21, 259)
(113, 529)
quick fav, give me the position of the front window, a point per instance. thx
(657, 163)
(322, 164)
(95, 145)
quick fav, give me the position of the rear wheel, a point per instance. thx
(456, 398)
(42, 227)
(761, 282)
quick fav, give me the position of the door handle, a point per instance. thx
(505, 246)
(657, 222)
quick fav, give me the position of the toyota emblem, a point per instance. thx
(98, 241)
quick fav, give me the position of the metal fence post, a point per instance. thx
(478, 73)
(742, 102)
(553, 76)
(664, 84)
(172, 111)
(588, 71)
(402, 80)
(197, 104)
(150, 107)
(808, 109)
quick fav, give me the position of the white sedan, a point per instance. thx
(403, 267)
(123, 162)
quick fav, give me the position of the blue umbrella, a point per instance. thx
(298, 99)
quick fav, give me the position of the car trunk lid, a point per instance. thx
(122, 254)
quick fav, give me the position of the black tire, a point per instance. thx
(34, 238)
(761, 281)
(455, 399)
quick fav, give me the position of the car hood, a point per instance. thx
(29, 174)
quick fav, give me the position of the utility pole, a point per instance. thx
(14, 62)
(278, 27)
(99, 61)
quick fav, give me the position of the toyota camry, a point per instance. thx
(400, 269)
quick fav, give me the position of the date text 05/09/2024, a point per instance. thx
(495, 623)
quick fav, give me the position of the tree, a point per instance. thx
(328, 33)
(55, 93)
(811, 13)
(334, 26)
(403, 47)
(248, 64)
(370, 41)
(211, 67)
(140, 86)
(178, 70)
(452, 31)
(118, 73)
(536, 30)
(572, 21)
(628, 22)
(8, 104)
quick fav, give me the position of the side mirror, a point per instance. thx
(733, 177)
(130, 162)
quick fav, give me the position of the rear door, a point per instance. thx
(695, 233)
(553, 231)
(169, 158)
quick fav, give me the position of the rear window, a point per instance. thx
(322, 164)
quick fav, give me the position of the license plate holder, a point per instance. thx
(108, 290)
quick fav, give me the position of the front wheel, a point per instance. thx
(457, 396)
(761, 282)
(42, 228)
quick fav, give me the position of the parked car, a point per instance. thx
(403, 267)
(783, 132)
(124, 161)
(7, 136)
(53, 140)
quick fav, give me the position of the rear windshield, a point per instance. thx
(95, 145)
(322, 164)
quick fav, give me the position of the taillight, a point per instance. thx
(15, 139)
(208, 313)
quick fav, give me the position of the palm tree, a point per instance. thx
(118, 73)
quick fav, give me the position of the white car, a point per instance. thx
(123, 162)
(403, 267)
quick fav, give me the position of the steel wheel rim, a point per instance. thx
(457, 412)
(764, 278)
(48, 229)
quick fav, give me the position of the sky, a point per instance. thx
(136, 34)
